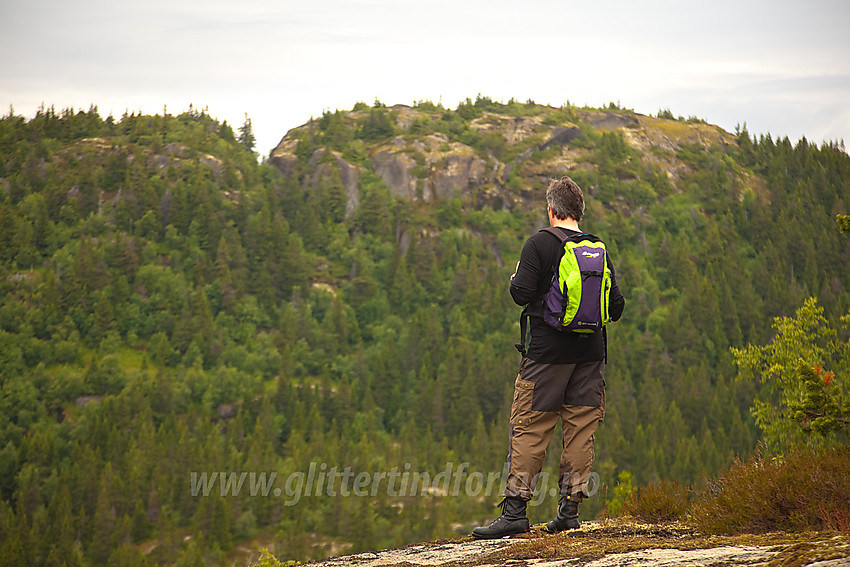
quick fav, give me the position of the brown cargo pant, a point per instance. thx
(543, 394)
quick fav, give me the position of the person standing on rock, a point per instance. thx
(561, 376)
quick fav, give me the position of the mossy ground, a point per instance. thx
(623, 535)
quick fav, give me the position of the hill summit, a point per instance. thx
(496, 153)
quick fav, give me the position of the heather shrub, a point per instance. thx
(663, 501)
(803, 490)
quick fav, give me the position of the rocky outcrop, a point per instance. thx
(404, 115)
(602, 120)
(467, 553)
(440, 553)
(514, 129)
(424, 164)
(215, 164)
(428, 169)
(618, 543)
(394, 167)
(458, 170)
(82, 401)
(349, 174)
(228, 411)
(283, 156)
(659, 140)
(561, 136)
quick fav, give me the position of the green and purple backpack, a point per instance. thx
(577, 299)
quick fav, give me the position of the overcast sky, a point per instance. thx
(782, 67)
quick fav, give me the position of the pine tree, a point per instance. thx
(246, 134)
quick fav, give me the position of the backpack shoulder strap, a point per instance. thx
(563, 236)
(523, 318)
(559, 234)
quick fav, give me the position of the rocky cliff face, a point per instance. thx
(319, 168)
(429, 169)
(493, 157)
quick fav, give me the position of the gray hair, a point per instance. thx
(565, 198)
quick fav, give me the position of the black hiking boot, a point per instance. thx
(567, 518)
(512, 521)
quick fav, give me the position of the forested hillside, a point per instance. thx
(171, 308)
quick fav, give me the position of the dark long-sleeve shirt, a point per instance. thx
(533, 277)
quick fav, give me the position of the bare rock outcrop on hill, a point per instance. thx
(508, 156)
(319, 168)
(429, 169)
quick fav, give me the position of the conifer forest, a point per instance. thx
(204, 351)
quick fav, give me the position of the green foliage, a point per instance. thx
(378, 125)
(428, 106)
(803, 403)
(615, 158)
(622, 493)
(268, 560)
(246, 135)
(823, 408)
(467, 110)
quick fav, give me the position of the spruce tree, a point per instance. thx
(246, 134)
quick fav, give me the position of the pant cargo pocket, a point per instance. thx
(521, 406)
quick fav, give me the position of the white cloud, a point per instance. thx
(767, 63)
